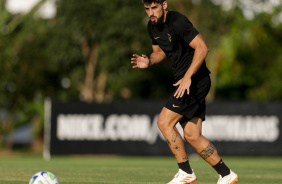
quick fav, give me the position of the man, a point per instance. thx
(174, 37)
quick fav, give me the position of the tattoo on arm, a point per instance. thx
(208, 151)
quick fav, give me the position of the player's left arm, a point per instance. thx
(201, 51)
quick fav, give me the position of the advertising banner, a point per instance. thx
(130, 128)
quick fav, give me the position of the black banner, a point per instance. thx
(130, 128)
(245, 128)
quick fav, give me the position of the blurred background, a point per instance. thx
(72, 50)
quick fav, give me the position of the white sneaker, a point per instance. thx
(183, 178)
(229, 179)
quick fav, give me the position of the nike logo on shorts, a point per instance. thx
(175, 106)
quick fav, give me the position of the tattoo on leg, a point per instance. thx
(176, 147)
(174, 136)
(168, 142)
(208, 151)
(184, 157)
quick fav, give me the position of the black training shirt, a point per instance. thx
(173, 37)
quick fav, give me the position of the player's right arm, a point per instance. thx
(143, 61)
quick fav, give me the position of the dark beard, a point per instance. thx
(159, 20)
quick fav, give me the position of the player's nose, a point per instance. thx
(151, 13)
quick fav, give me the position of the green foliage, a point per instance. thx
(251, 60)
(118, 30)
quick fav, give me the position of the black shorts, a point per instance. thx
(194, 104)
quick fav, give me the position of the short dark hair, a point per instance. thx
(152, 1)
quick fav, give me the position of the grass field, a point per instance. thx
(18, 169)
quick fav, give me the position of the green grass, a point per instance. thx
(130, 170)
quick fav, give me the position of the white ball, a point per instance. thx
(44, 177)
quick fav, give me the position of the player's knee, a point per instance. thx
(192, 136)
(163, 125)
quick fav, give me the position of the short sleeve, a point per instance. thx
(185, 29)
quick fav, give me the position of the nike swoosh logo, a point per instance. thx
(175, 106)
(156, 38)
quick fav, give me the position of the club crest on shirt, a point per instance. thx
(169, 37)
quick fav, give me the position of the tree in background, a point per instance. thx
(21, 64)
(106, 34)
(84, 52)
(248, 58)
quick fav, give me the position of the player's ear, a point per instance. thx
(164, 5)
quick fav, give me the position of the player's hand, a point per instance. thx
(140, 61)
(184, 85)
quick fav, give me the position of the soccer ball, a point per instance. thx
(44, 177)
